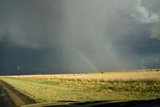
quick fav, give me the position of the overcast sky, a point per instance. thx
(62, 36)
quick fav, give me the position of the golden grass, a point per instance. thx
(106, 76)
(121, 86)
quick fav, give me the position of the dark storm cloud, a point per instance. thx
(77, 35)
(25, 22)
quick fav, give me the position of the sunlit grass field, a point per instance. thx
(114, 86)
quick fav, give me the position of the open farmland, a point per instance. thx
(106, 76)
(114, 86)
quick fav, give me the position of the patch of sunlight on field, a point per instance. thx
(121, 75)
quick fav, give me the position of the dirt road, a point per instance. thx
(9, 97)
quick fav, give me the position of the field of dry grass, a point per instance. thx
(106, 76)
(115, 86)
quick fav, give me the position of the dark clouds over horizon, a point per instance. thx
(61, 36)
